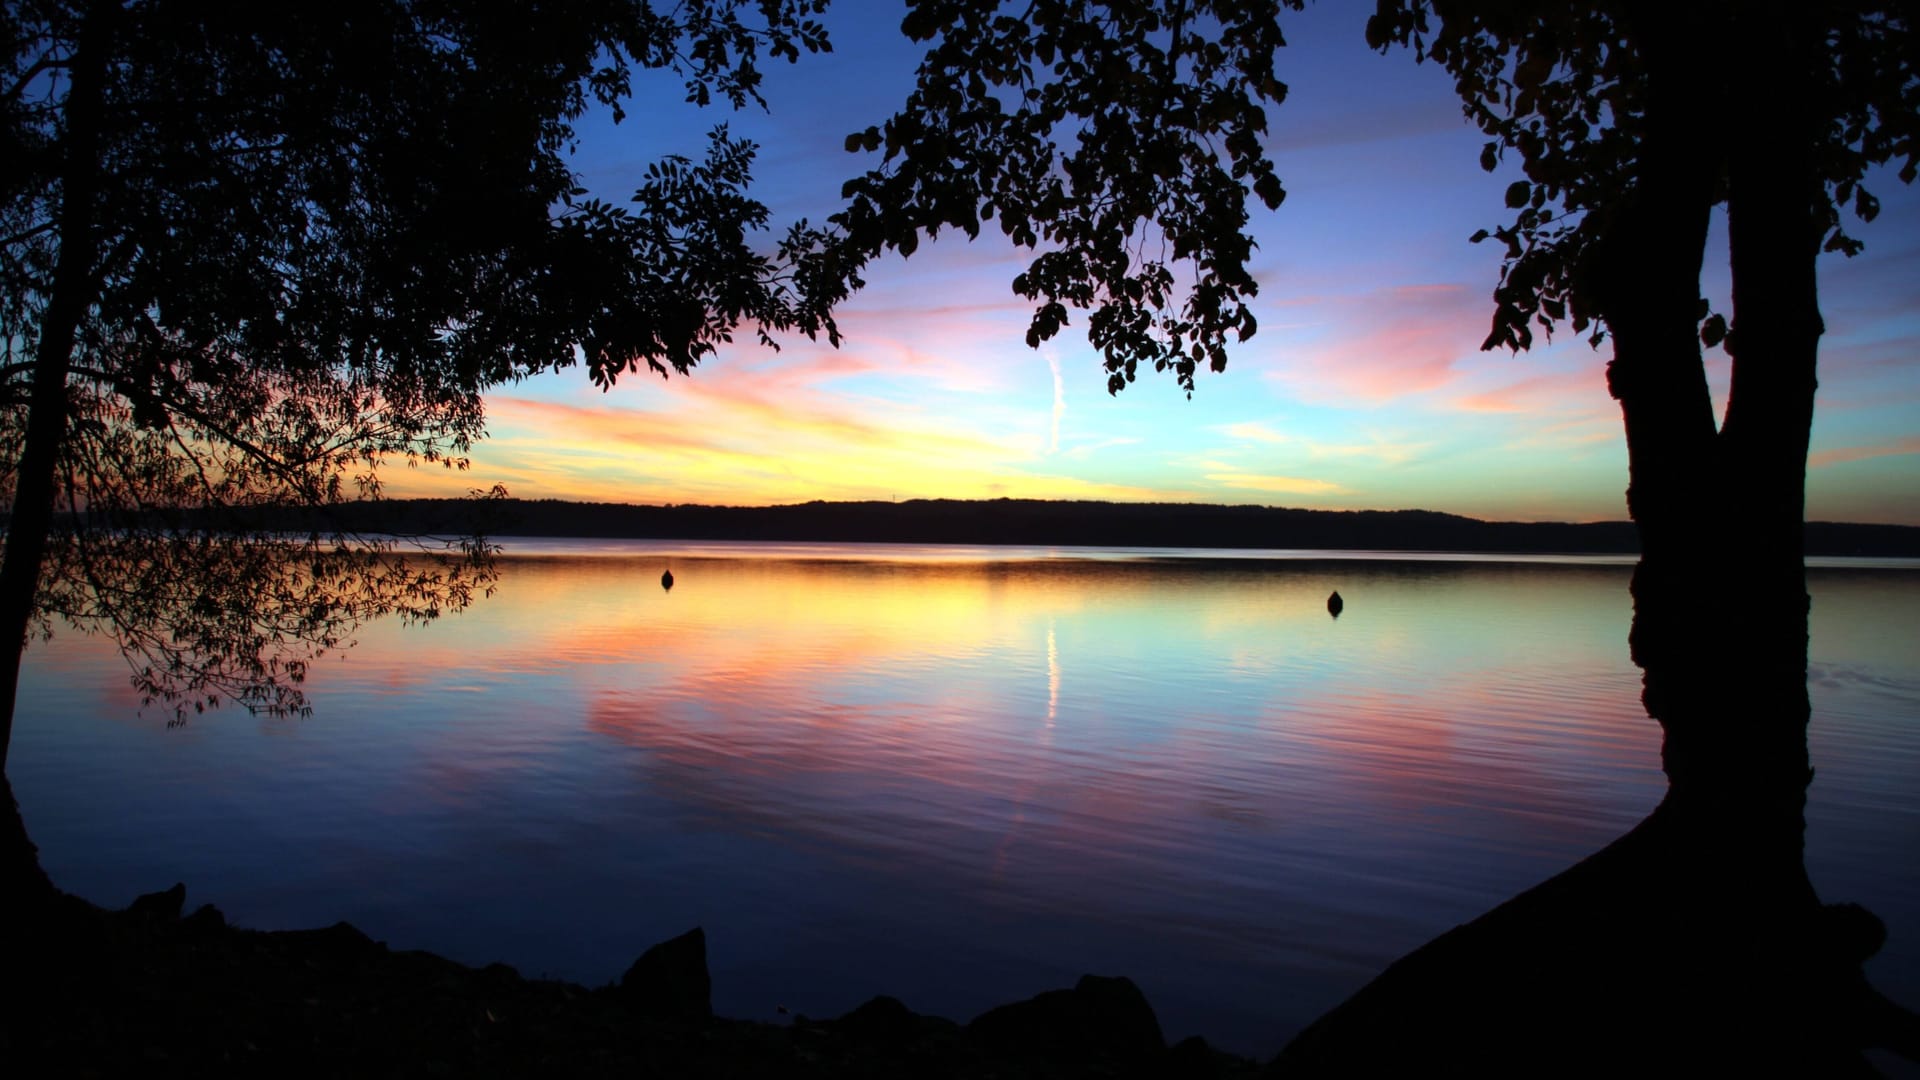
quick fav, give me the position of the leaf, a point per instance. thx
(1518, 193)
(1270, 192)
(1713, 331)
(1866, 206)
(1479, 235)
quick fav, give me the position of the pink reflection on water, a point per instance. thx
(811, 739)
(1180, 770)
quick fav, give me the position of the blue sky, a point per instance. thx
(1364, 388)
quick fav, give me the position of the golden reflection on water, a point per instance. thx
(772, 695)
(1053, 676)
(955, 780)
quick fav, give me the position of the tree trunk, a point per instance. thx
(74, 283)
(1646, 282)
(1774, 235)
(1720, 603)
(1753, 745)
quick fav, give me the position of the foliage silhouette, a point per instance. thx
(1163, 103)
(251, 256)
(1633, 121)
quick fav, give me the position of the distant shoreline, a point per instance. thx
(1036, 522)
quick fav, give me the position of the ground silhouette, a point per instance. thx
(150, 991)
(1036, 522)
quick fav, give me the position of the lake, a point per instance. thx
(959, 776)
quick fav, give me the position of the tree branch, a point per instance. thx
(39, 67)
(28, 234)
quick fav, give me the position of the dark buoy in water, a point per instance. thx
(666, 580)
(1335, 604)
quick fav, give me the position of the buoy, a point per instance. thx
(666, 579)
(1335, 604)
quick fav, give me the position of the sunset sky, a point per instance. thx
(1365, 387)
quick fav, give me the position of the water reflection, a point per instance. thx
(1053, 677)
(1697, 941)
(956, 781)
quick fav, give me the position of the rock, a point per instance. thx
(882, 1017)
(671, 978)
(344, 935)
(885, 1038)
(1850, 933)
(882, 1020)
(342, 942)
(1100, 1018)
(1192, 1059)
(160, 906)
(205, 922)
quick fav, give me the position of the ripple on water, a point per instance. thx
(954, 779)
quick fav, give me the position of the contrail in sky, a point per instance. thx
(1059, 400)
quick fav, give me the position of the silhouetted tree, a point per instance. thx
(1697, 939)
(1633, 121)
(1121, 139)
(249, 254)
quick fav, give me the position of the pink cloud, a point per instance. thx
(1383, 344)
(968, 347)
(1555, 392)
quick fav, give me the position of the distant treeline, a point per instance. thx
(1043, 522)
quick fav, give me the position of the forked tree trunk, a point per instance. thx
(1646, 282)
(1754, 745)
(1720, 601)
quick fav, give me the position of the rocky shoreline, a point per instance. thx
(155, 990)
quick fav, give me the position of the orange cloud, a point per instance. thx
(1842, 455)
(724, 441)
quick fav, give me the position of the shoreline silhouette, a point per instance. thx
(1027, 522)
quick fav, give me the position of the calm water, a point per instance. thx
(958, 776)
